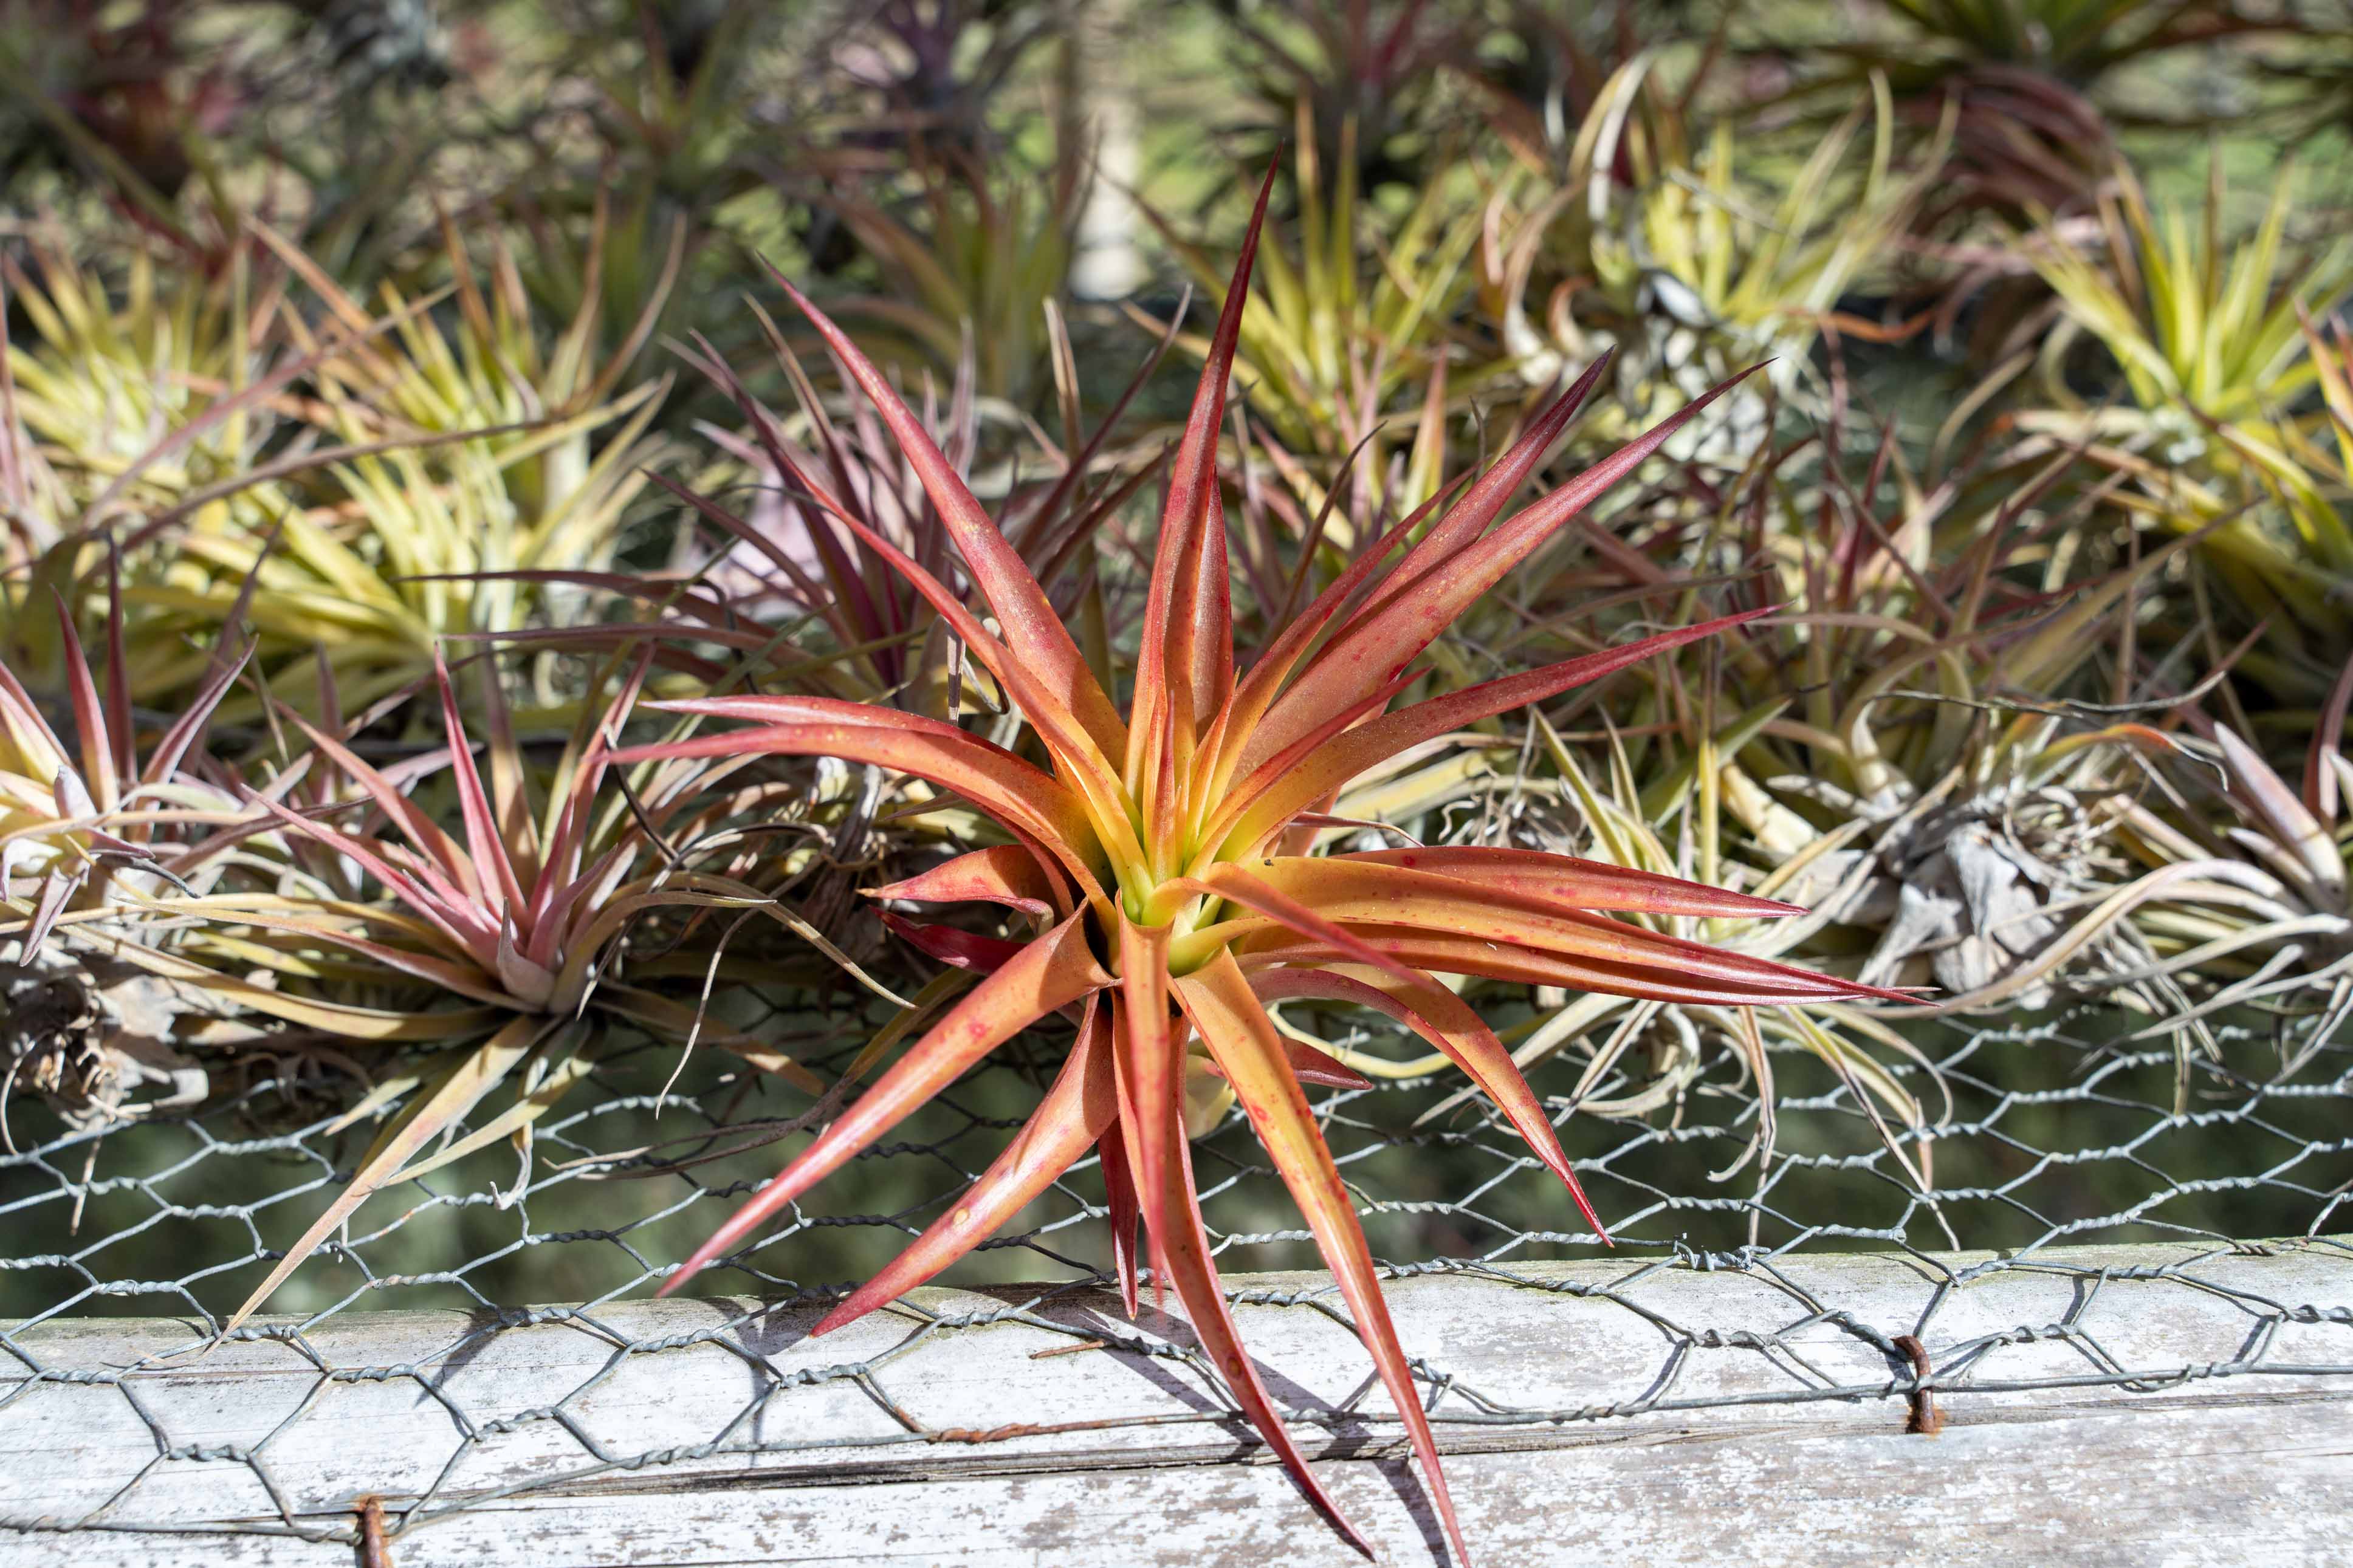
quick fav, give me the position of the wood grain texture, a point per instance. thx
(1618, 1412)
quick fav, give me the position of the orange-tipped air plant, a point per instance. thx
(1158, 859)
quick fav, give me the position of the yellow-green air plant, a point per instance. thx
(1159, 862)
(1330, 360)
(454, 467)
(1660, 245)
(105, 373)
(139, 389)
(2207, 334)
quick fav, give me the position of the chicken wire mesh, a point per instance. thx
(2065, 1130)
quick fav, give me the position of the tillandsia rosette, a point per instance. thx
(1163, 864)
(518, 916)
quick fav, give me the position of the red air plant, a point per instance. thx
(1159, 861)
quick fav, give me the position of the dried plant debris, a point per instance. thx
(94, 1053)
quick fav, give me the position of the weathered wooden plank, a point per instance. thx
(1620, 1410)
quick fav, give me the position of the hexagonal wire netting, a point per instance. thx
(2065, 1130)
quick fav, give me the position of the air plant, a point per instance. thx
(1630, 827)
(132, 398)
(110, 369)
(2255, 909)
(2076, 41)
(2207, 335)
(1933, 725)
(522, 919)
(2017, 86)
(445, 464)
(1160, 863)
(76, 822)
(1356, 336)
(1364, 77)
(929, 68)
(126, 93)
(791, 595)
(1663, 250)
(975, 267)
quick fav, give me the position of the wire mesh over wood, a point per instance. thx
(2063, 1133)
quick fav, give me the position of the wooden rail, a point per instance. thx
(2177, 1402)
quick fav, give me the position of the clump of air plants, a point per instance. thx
(1656, 246)
(1657, 1048)
(141, 387)
(926, 72)
(452, 467)
(2020, 93)
(1353, 350)
(1363, 77)
(412, 489)
(127, 96)
(1159, 869)
(2209, 335)
(110, 364)
(2253, 908)
(1926, 743)
(977, 268)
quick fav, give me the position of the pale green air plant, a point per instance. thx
(1983, 790)
(2255, 907)
(89, 837)
(1948, 727)
(83, 828)
(2206, 332)
(1680, 826)
(1940, 693)
(1691, 265)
